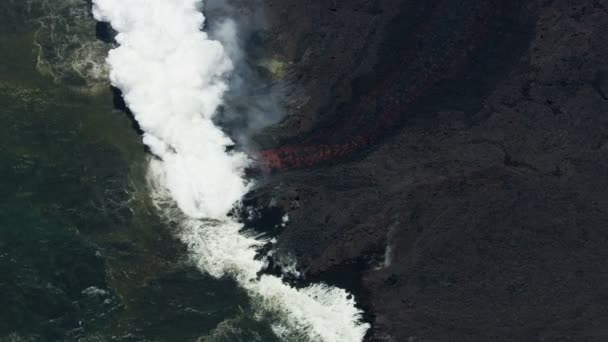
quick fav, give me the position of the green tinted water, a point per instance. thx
(83, 256)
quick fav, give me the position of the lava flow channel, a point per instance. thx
(409, 80)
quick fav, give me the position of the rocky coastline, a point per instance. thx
(446, 161)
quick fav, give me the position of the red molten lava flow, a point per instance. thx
(323, 146)
(391, 98)
(298, 156)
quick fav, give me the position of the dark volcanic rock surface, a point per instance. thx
(475, 206)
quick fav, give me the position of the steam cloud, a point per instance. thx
(173, 78)
(254, 98)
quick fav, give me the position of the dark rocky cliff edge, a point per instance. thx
(447, 161)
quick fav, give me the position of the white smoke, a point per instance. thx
(172, 77)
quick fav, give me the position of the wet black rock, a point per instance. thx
(481, 216)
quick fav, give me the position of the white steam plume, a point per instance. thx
(172, 78)
(170, 74)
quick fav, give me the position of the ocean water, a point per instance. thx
(83, 254)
